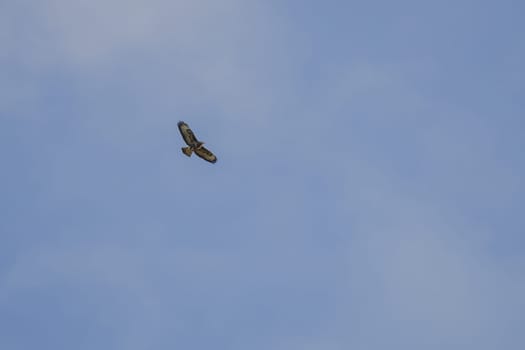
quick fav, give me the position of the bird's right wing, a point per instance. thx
(187, 134)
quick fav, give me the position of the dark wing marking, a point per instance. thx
(205, 154)
(187, 134)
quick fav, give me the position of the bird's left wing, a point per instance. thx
(205, 154)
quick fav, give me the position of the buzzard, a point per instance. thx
(194, 145)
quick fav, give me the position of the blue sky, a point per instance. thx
(368, 194)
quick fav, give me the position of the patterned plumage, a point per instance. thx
(194, 145)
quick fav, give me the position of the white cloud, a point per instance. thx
(429, 277)
(170, 57)
(417, 272)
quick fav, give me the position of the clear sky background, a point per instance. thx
(368, 195)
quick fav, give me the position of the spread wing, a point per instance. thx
(205, 154)
(187, 134)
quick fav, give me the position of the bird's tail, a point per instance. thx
(187, 151)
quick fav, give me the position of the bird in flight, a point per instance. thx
(194, 145)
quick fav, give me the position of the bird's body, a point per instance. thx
(194, 145)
